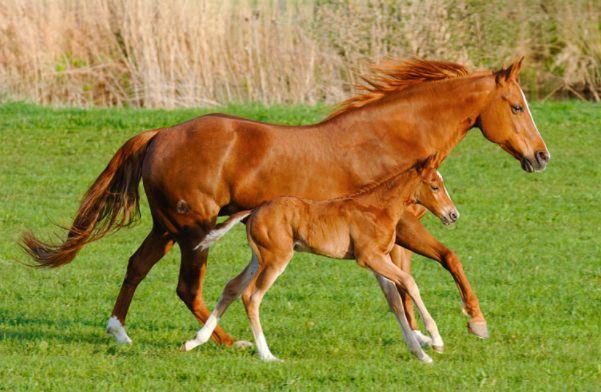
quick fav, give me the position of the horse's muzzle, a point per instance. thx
(537, 163)
(450, 217)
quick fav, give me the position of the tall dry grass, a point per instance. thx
(152, 53)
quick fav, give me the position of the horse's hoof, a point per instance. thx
(242, 344)
(438, 349)
(188, 346)
(115, 328)
(480, 329)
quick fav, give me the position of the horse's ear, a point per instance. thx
(514, 69)
(509, 73)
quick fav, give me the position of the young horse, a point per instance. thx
(218, 164)
(361, 227)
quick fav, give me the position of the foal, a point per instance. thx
(361, 226)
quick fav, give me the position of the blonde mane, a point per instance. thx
(393, 76)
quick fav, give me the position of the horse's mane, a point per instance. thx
(392, 76)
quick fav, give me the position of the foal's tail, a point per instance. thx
(112, 202)
(222, 228)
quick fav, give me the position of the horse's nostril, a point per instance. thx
(453, 215)
(542, 157)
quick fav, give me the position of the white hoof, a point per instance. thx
(424, 341)
(242, 344)
(115, 328)
(190, 345)
(437, 344)
(423, 357)
(270, 358)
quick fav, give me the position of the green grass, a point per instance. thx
(530, 243)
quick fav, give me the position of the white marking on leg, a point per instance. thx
(204, 334)
(115, 328)
(429, 322)
(394, 300)
(263, 349)
(424, 341)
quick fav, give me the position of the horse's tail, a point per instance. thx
(112, 202)
(222, 228)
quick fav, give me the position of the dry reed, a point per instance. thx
(150, 53)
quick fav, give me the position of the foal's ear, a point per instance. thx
(427, 163)
(510, 73)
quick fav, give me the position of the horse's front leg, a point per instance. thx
(413, 235)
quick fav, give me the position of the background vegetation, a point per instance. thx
(150, 53)
(529, 243)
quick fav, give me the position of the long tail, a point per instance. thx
(112, 202)
(222, 228)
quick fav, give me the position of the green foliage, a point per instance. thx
(529, 243)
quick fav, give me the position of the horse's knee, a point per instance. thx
(450, 261)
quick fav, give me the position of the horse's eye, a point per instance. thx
(434, 188)
(516, 109)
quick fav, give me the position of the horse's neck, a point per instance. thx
(425, 119)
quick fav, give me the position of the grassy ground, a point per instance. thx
(529, 242)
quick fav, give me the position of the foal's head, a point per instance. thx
(506, 121)
(432, 194)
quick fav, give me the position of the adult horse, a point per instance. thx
(219, 164)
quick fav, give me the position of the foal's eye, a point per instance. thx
(435, 188)
(516, 109)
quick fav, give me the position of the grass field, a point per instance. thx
(530, 244)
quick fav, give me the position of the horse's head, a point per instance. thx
(431, 192)
(506, 121)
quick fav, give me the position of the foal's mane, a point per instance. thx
(385, 181)
(393, 76)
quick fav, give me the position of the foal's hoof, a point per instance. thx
(423, 340)
(438, 349)
(242, 344)
(271, 358)
(423, 357)
(479, 329)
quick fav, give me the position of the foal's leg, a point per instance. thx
(189, 288)
(394, 300)
(233, 289)
(270, 267)
(401, 257)
(154, 247)
(412, 235)
(382, 265)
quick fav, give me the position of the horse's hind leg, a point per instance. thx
(189, 288)
(232, 291)
(154, 247)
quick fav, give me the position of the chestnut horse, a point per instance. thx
(361, 226)
(219, 164)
